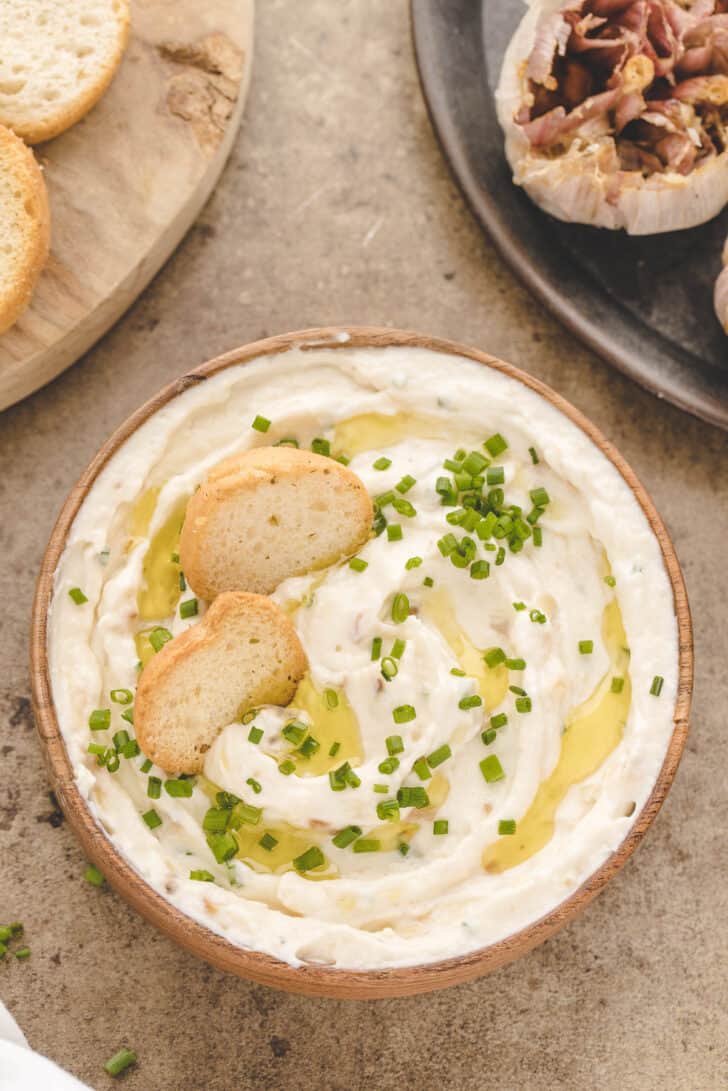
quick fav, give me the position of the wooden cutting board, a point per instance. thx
(127, 181)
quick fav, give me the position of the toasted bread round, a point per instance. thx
(244, 652)
(270, 513)
(57, 60)
(24, 226)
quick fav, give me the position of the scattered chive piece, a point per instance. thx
(245, 813)
(518, 606)
(394, 532)
(394, 744)
(382, 463)
(413, 562)
(499, 721)
(111, 760)
(500, 555)
(388, 766)
(422, 769)
(120, 739)
(447, 544)
(473, 701)
(413, 797)
(216, 820)
(249, 716)
(428, 582)
(352, 779)
(406, 483)
(381, 788)
(334, 749)
(255, 735)
(321, 446)
(376, 647)
(384, 499)
(506, 826)
(537, 617)
(403, 714)
(223, 846)
(332, 698)
(286, 767)
(517, 690)
(22, 953)
(294, 732)
(457, 672)
(516, 664)
(178, 789)
(309, 859)
(182, 582)
(494, 657)
(344, 837)
(586, 647)
(367, 844)
(523, 704)
(152, 819)
(159, 637)
(154, 787)
(358, 564)
(495, 445)
(255, 785)
(78, 596)
(174, 558)
(398, 648)
(534, 456)
(437, 757)
(657, 684)
(403, 848)
(309, 747)
(495, 475)
(128, 715)
(479, 570)
(202, 876)
(268, 841)
(404, 507)
(537, 536)
(491, 768)
(121, 696)
(539, 497)
(440, 826)
(400, 608)
(261, 424)
(146, 765)
(389, 668)
(474, 463)
(188, 608)
(488, 736)
(388, 810)
(617, 685)
(288, 441)
(610, 581)
(96, 748)
(3, 949)
(100, 719)
(93, 875)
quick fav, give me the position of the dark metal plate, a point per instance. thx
(645, 304)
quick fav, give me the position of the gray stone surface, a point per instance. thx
(336, 207)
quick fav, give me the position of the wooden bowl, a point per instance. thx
(319, 980)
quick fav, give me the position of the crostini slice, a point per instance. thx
(243, 653)
(270, 513)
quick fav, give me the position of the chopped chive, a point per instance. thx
(406, 483)
(249, 716)
(337, 777)
(295, 732)
(78, 596)
(334, 749)
(457, 672)
(506, 826)
(403, 848)
(534, 456)
(422, 769)
(586, 647)
(268, 841)
(358, 564)
(499, 721)
(382, 463)
(403, 714)
(200, 875)
(413, 562)
(226, 800)
(617, 685)
(98, 749)
(389, 668)
(120, 1062)
(111, 760)
(308, 747)
(286, 767)
(121, 696)
(413, 797)
(128, 715)
(440, 826)
(494, 656)
(657, 684)
(93, 876)
(519, 692)
(352, 779)
(100, 719)
(495, 475)
(428, 581)
(394, 532)
(145, 766)
(447, 544)
(500, 556)
(188, 608)
(22, 953)
(261, 424)
(367, 844)
(516, 664)
(388, 810)
(152, 819)
(388, 766)
(473, 701)
(385, 498)
(376, 647)
(488, 736)
(404, 507)
(154, 787)
(491, 768)
(344, 837)
(182, 582)
(178, 789)
(381, 788)
(479, 570)
(120, 739)
(223, 846)
(159, 637)
(287, 441)
(255, 785)
(400, 608)
(537, 536)
(474, 463)
(537, 617)
(523, 704)
(495, 445)
(255, 735)
(245, 813)
(610, 581)
(437, 757)
(311, 858)
(394, 744)
(518, 606)
(321, 446)
(332, 698)
(539, 497)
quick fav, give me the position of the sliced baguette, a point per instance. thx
(270, 513)
(244, 652)
(24, 226)
(57, 60)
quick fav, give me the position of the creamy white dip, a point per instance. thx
(382, 908)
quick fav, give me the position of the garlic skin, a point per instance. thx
(720, 294)
(586, 184)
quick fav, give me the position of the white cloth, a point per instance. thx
(23, 1070)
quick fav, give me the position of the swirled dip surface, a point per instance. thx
(511, 684)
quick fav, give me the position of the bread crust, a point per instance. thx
(33, 213)
(235, 481)
(167, 672)
(54, 123)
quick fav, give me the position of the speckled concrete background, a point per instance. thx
(336, 207)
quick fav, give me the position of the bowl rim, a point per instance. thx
(311, 979)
